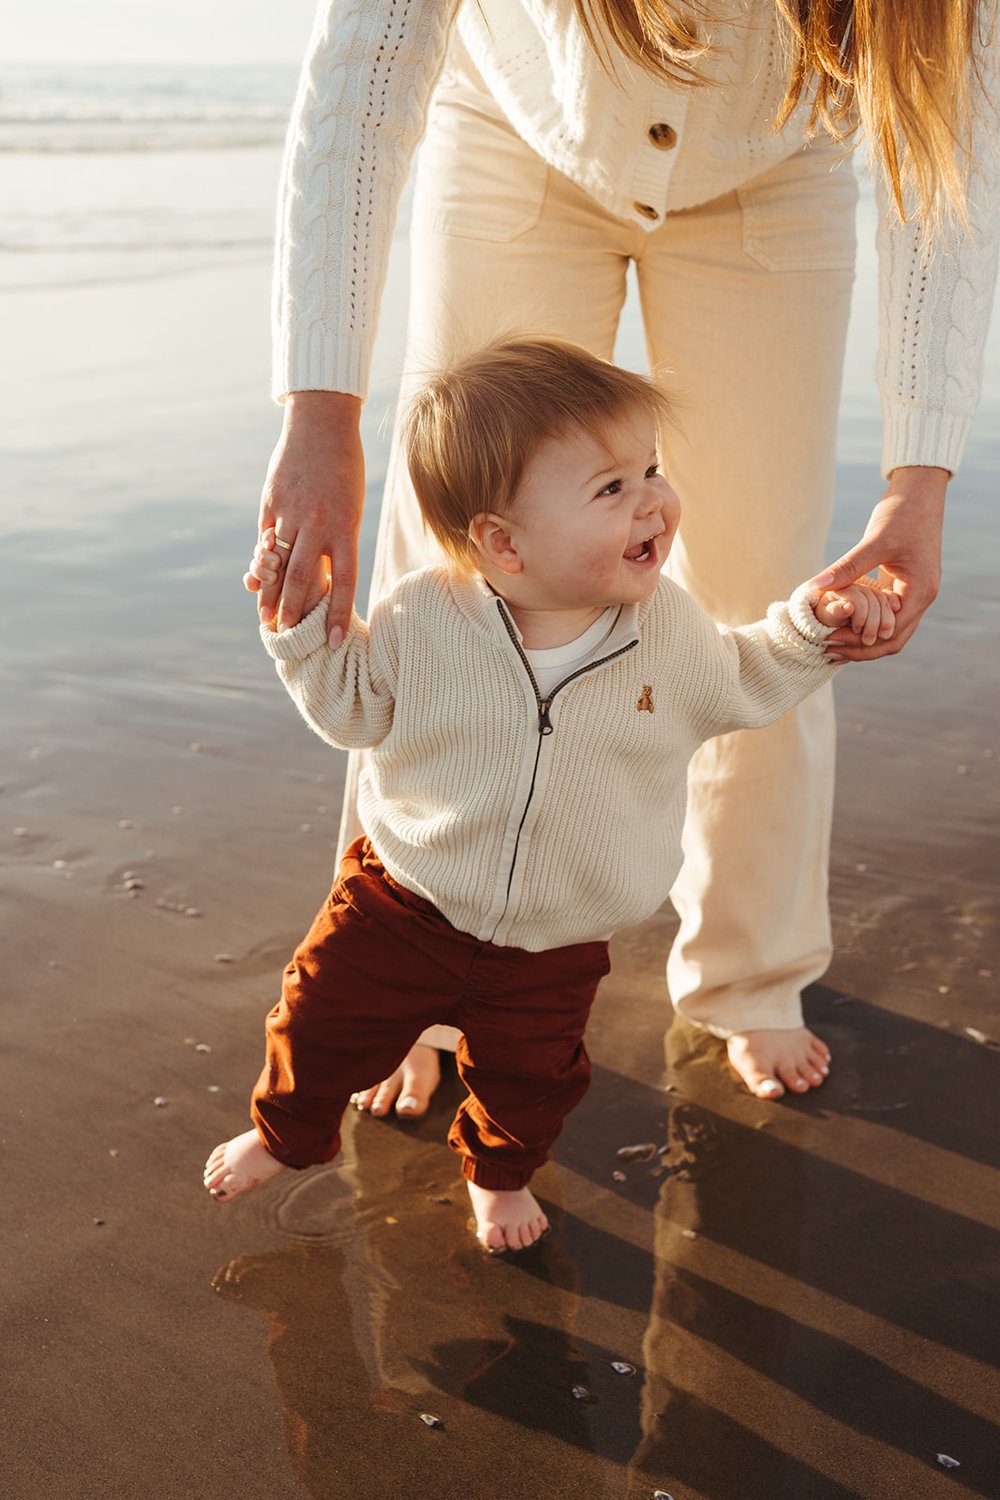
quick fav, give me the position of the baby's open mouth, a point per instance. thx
(642, 551)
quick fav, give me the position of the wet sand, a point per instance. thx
(802, 1297)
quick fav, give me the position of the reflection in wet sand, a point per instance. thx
(807, 1330)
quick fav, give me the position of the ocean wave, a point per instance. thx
(148, 108)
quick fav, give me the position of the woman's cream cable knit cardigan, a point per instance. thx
(526, 831)
(362, 107)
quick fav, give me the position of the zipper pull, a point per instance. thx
(545, 725)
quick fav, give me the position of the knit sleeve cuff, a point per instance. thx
(795, 623)
(320, 362)
(302, 640)
(915, 435)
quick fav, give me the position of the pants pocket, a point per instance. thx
(487, 184)
(799, 215)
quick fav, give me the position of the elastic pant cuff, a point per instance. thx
(499, 1179)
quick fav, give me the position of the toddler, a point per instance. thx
(530, 708)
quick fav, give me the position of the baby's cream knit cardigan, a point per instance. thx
(362, 107)
(536, 824)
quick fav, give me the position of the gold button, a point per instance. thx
(646, 210)
(664, 136)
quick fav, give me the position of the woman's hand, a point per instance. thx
(903, 540)
(313, 496)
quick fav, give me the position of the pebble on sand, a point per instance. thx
(160, 1102)
(99, 1223)
(622, 1367)
(202, 1047)
(618, 1177)
(58, 864)
(977, 1035)
(223, 958)
(948, 1463)
(580, 1393)
(661, 1495)
(429, 1420)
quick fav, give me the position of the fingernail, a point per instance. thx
(335, 637)
(266, 614)
(823, 579)
(835, 656)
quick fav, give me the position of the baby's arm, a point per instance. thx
(344, 689)
(869, 610)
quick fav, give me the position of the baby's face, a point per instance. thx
(594, 517)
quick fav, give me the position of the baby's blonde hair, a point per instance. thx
(472, 429)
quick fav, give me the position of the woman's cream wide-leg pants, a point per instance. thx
(745, 303)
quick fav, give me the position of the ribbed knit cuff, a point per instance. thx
(320, 363)
(916, 435)
(302, 640)
(802, 613)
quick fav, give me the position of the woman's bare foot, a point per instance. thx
(506, 1220)
(409, 1088)
(239, 1166)
(771, 1061)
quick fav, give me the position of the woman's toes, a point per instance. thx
(383, 1099)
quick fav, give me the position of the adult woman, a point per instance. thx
(564, 139)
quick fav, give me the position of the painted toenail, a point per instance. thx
(769, 1087)
(408, 1101)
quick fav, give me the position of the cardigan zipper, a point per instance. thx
(545, 727)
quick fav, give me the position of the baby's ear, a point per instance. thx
(491, 536)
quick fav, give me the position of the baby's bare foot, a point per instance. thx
(771, 1061)
(509, 1220)
(239, 1166)
(409, 1088)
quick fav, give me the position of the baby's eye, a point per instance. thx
(611, 489)
(653, 469)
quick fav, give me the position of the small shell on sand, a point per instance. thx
(977, 1035)
(214, 1088)
(223, 958)
(618, 1177)
(580, 1393)
(132, 882)
(644, 1152)
(160, 1102)
(202, 1047)
(429, 1420)
(948, 1463)
(58, 864)
(622, 1367)
(661, 1495)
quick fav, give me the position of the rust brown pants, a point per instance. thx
(377, 967)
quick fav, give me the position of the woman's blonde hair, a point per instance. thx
(471, 430)
(908, 71)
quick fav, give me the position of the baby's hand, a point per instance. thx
(266, 566)
(868, 610)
